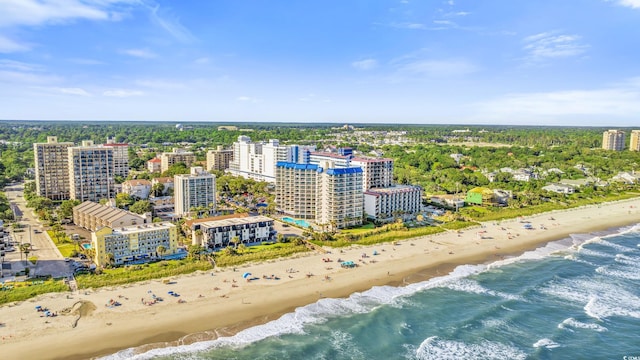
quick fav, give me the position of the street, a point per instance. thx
(50, 261)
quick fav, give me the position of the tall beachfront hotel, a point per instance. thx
(613, 140)
(197, 189)
(91, 175)
(52, 168)
(329, 195)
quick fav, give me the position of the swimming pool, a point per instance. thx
(86, 246)
(301, 223)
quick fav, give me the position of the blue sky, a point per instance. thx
(545, 62)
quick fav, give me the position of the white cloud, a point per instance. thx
(248, 99)
(171, 24)
(82, 61)
(435, 68)
(10, 46)
(19, 77)
(621, 100)
(202, 60)
(160, 84)
(74, 91)
(410, 26)
(122, 93)
(635, 4)
(549, 45)
(139, 53)
(19, 66)
(366, 64)
(39, 12)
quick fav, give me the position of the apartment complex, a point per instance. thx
(133, 243)
(176, 156)
(120, 157)
(197, 189)
(92, 216)
(297, 189)
(389, 202)
(613, 140)
(52, 168)
(90, 172)
(220, 233)
(330, 196)
(257, 160)
(376, 172)
(634, 143)
(219, 159)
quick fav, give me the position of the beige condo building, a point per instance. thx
(176, 156)
(91, 172)
(131, 243)
(634, 143)
(219, 159)
(613, 140)
(52, 168)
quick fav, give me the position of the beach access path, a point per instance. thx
(225, 301)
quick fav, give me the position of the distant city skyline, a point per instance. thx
(402, 61)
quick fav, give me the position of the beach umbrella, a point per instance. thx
(246, 275)
(38, 307)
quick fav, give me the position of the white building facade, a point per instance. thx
(390, 202)
(197, 189)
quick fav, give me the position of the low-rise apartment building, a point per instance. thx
(92, 216)
(119, 245)
(221, 233)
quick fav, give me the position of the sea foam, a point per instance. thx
(442, 349)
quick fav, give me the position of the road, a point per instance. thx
(50, 261)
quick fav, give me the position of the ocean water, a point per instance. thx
(576, 298)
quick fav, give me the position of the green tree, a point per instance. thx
(161, 250)
(124, 200)
(157, 189)
(65, 211)
(141, 207)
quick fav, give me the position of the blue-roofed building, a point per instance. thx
(331, 197)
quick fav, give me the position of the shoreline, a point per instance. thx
(236, 305)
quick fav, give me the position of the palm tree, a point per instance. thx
(111, 259)
(235, 240)
(161, 249)
(25, 249)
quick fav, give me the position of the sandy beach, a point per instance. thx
(89, 323)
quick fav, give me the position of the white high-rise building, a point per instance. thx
(197, 189)
(52, 168)
(91, 172)
(258, 160)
